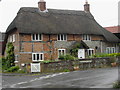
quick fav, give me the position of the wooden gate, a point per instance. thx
(35, 67)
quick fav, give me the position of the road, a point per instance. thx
(93, 78)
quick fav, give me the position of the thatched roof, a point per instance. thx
(31, 20)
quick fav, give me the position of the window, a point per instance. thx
(36, 37)
(90, 52)
(12, 38)
(61, 52)
(86, 37)
(37, 56)
(110, 50)
(62, 37)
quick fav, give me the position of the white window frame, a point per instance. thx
(86, 37)
(59, 37)
(90, 54)
(36, 56)
(38, 37)
(12, 38)
(61, 52)
(110, 50)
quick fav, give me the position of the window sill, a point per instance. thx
(37, 60)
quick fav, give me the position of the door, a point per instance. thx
(81, 53)
(35, 67)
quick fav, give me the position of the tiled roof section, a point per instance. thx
(55, 21)
(113, 29)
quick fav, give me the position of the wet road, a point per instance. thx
(94, 78)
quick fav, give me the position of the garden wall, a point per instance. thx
(70, 65)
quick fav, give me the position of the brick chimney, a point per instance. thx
(87, 6)
(42, 5)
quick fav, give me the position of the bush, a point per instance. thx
(48, 61)
(67, 57)
(116, 85)
(13, 69)
(21, 71)
(107, 55)
(66, 70)
(4, 64)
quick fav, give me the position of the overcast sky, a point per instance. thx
(104, 11)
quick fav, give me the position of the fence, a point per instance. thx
(71, 65)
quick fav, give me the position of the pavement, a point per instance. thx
(95, 78)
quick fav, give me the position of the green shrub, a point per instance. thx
(62, 57)
(67, 57)
(13, 69)
(116, 85)
(107, 55)
(4, 64)
(66, 70)
(21, 71)
(48, 61)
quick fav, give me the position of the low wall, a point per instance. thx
(71, 65)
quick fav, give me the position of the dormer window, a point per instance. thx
(36, 37)
(62, 37)
(86, 37)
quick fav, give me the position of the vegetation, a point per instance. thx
(13, 69)
(116, 85)
(74, 50)
(10, 55)
(4, 63)
(67, 57)
(8, 64)
(48, 61)
(66, 70)
(107, 55)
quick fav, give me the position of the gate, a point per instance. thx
(35, 67)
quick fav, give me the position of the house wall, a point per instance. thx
(24, 46)
(107, 44)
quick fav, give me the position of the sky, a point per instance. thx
(105, 12)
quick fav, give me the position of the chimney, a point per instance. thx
(42, 5)
(87, 6)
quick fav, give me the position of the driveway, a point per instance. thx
(93, 78)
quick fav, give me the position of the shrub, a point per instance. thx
(21, 71)
(116, 85)
(48, 61)
(67, 57)
(13, 69)
(10, 54)
(107, 55)
(66, 70)
(62, 57)
(4, 64)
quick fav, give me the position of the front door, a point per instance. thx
(81, 53)
(35, 67)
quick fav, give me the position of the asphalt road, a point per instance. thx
(94, 78)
